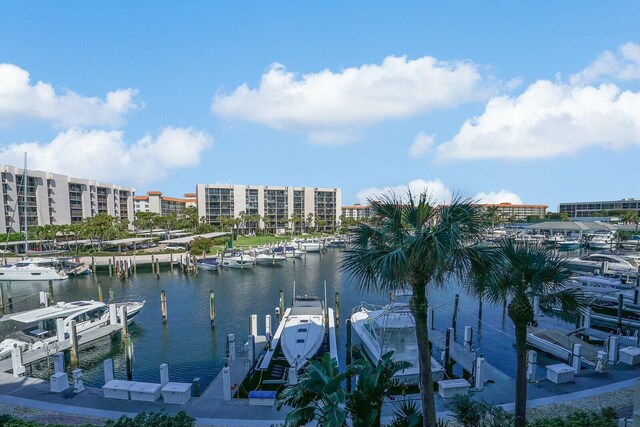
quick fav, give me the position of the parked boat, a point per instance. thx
(309, 246)
(210, 264)
(236, 259)
(569, 245)
(559, 344)
(289, 251)
(270, 259)
(34, 269)
(392, 328)
(597, 261)
(41, 322)
(632, 243)
(554, 240)
(304, 330)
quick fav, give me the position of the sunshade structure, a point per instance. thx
(571, 226)
(188, 239)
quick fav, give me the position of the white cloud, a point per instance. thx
(330, 106)
(422, 145)
(436, 189)
(105, 156)
(547, 120)
(19, 99)
(502, 196)
(625, 65)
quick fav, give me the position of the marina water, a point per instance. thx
(194, 350)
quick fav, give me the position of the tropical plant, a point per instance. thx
(492, 215)
(518, 273)
(418, 245)
(200, 245)
(630, 217)
(318, 395)
(407, 414)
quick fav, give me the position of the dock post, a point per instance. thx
(158, 268)
(620, 309)
(51, 299)
(44, 299)
(99, 291)
(16, 362)
(58, 362)
(181, 267)
(614, 342)
(479, 382)
(253, 325)
(108, 370)
(586, 319)
(267, 327)
(110, 268)
(125, 325)
(113, 314)
(212, 308)
(231, 344)
(468, 337)
(348, 358)
(281, 303)
(337, 310)
(576, 356)
(60, 332)
(2, 296)
(226, 382)
(195, 387)
(532, 366)
(454, 321)
(252, 349)
(636, 291)
(293, 376)
(74, 344)
(171, 262)
(432, 311)
(188, 262)
(127, 267)
(111, 294)
(480, 300)
(163, 303)
(448, 366)
(93, 264)
(605, 268)
(128, 355)
(135, 264)
(153, 264)
(9, 295)
(164, 374)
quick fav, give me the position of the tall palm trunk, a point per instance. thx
(521, 314)
(419, 308)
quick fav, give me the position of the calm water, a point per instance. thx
(192, 349)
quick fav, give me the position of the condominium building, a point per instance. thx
(155, 202)
(519, 212)
(357, 211)
(271, 206)
(587, 209)
(55, 199)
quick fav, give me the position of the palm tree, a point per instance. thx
(414, 245)
(520, 272)
(492, 215)
(630, 217)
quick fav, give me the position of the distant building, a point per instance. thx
(278, 204)
(55, 199)
(357, 211)
(519, 212)
(587, 209)
(155, 202)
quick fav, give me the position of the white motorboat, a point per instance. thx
(560, 344)
(289, 251)
(614, 263)
(309, 246)
(34, 269)
(569, 245)
(270, 259)
(236, 259)
(304, 330)
(631, 243)
(40, 323)
(554, 240)
(392, 328)
(210, 264)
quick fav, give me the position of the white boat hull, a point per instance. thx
(14, 274)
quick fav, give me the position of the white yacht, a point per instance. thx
(392, 328)
(303, 331)
(236, 259)
(615, 264)
(309, 246)
(270, 259)
(34, 269)
(40, 323)
(631, 243)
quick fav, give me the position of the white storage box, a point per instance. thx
(449, 388)
(59, 382)
(560, 373)
(262, 398)
(147, 392)
(176, 393)
(629, 355)
(117, 389)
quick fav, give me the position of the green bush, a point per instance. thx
(158, 419)
(607, 417)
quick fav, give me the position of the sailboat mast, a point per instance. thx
(24, 199)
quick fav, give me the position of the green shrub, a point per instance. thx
(158, 419)
(607, 417)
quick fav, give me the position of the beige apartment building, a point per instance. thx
(56, 199)
(155, 202)
(520, 212)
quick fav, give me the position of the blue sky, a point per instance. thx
(536, 102)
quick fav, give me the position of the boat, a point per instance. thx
(236, 259)
(34, 269)
(270, 259)
(392, 328)
(309, 246)
(40, 323)
(211, 264)
(614, 263)
(304, 330)
(289, 251)
(632, 243)
(554, 240)
(560, 343)
(569, 245)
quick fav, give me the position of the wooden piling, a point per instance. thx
(454, 321)
(51, 298)
(212, 308)
(153, 264)
(281, 303)
(170, 262)
(124, 321)
(348, 358)
(157, 268)
(110, 268)
(9, 295)
(99, 291)
(620, 309)
(163, 303)
(448, 366)
(2, 296)
(110, 294)
(93, 264)
(128, 356)
(337, 308)
(74, 344)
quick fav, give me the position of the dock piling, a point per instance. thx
(195, 387)
(267, 327)
(16, 362)
(226, 382)
(281, 303)
(620, 309)
(468, 337)
(60, 332)
(252, 349)
(108, 370)
(576, 357)
(9, 295)
(128, 355)
(163, 303)
(231, 345)
(348, 358)
(99, 291)
(337, 310)
(51, 298)
(125, 326)
(158, 268)
(93, 264)
(74, 344)
(532, 366)
(111, 294)
(454, 321)
(110, 268)
(212, 308)
(614, 342)
(448, 366)
(253, 325)
(2, 296)
(479, 370)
